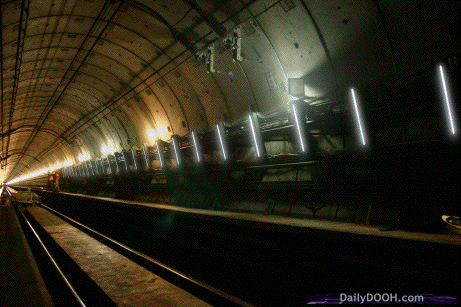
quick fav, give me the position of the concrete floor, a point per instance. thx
(125, 282)
(20, 281)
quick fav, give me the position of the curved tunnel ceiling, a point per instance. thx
(78, 74)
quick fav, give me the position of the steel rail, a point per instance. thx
(53, 260)
(234, 301)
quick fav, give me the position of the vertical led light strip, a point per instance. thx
(358, 116)
(222, 143)
(134, 159)
(101, 162)
(85, 168)
(95, 164)
(447, 100)
(145, 155)
(91, 168)
(159, 154)
(95, 171)
(175, 150)
(116, 164)
(195, 146)
(299, 128)
(110, 168)
(254, 135)
(124, 160)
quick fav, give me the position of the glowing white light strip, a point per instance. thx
(134, 159)
(101, 162)
(91, 168)
(222, 144)
(116, 164)
(108, 162)
(94, 165)
(299, 128)
(358, 116)
(124, 160)
(159, 154)
(195, 145)
(175, 151)
(145, 155)
(87, 172)
(254, 136)
(447, 100)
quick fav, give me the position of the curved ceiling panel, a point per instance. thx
(78, 74)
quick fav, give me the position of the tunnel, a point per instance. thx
(340, 114)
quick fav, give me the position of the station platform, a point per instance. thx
(274, 259)
(20, 281)
(318, 224)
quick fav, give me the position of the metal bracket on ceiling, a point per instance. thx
(207, 57)
(234, 43)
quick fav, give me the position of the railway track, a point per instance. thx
(262, 264)
(80, 290)
(67, 283)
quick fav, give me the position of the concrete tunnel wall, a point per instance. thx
(139, 74)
